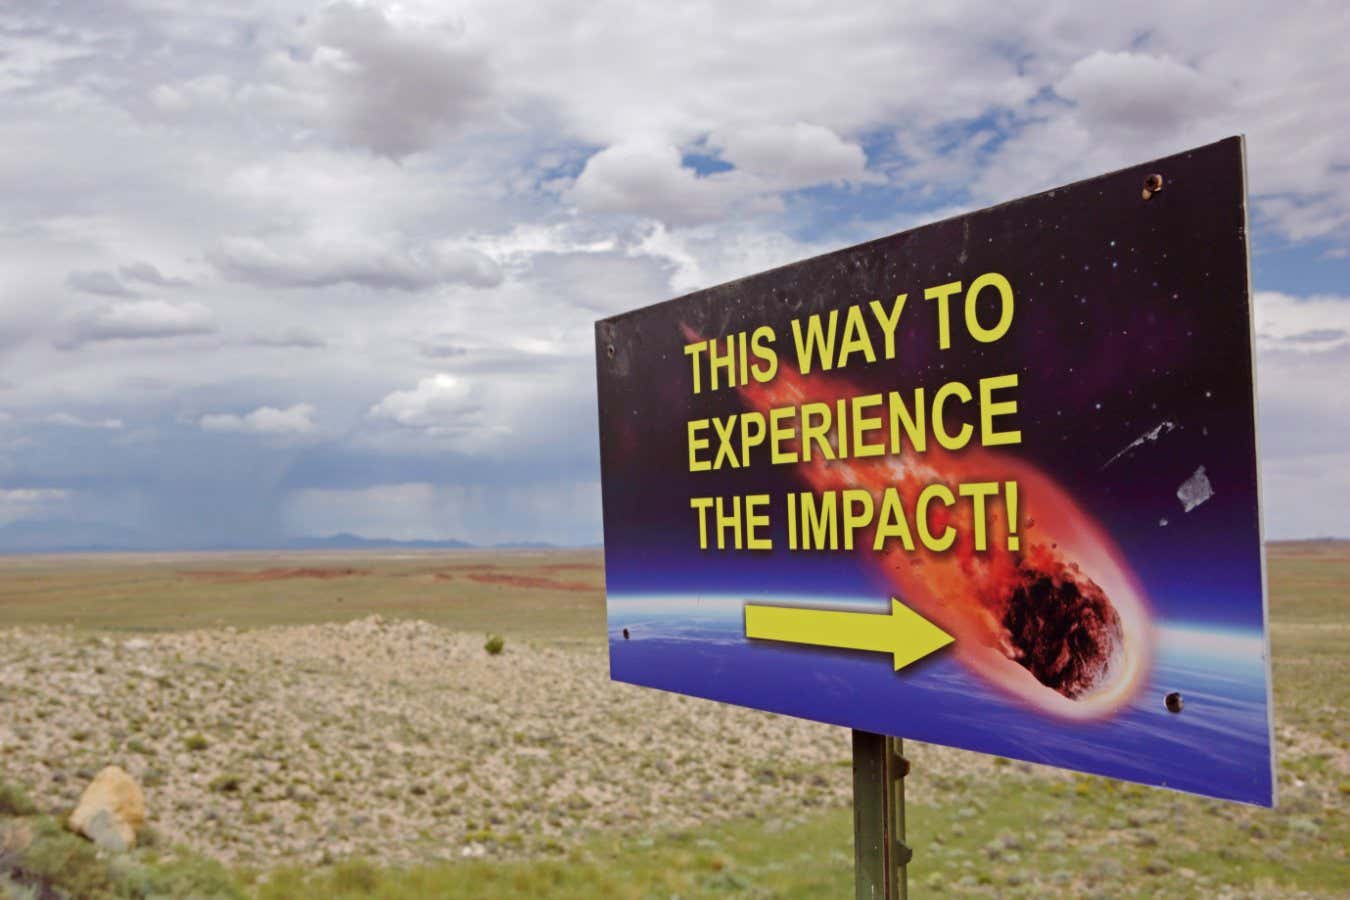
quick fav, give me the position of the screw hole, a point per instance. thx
(1152, 184)
(1173, 702)
(609, 351)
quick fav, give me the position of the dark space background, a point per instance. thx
(1128, 313)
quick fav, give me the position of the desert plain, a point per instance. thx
(332, 725)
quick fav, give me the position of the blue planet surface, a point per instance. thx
(1219, 745)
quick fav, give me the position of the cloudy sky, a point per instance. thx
(286, 268)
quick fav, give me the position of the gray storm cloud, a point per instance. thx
(336, 266)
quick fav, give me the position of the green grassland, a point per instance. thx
(1047, 836)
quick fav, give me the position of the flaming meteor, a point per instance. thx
(1053, 617)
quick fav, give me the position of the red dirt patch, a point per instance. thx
(227, 576)
(451, 570)
(530, 581)
(450, 573)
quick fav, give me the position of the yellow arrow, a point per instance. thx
(902, 632)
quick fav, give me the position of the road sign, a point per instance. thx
(988, 483)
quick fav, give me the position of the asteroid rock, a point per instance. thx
(1063, 628)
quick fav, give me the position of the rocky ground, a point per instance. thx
(396, 740)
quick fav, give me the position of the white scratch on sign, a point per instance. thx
(1195, 490)
(1148, 437)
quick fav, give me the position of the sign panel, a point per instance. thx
(989, 483)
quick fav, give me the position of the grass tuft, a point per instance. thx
(14, 801)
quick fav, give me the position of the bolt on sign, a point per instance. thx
(988, 483)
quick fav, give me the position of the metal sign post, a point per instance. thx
(880, 852)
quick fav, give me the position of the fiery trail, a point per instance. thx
(1060, 623)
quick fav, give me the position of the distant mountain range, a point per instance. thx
(64, 536)
(346, 541)
(60, 536)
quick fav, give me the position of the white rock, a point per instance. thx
(110, 810)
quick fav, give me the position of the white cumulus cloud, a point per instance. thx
(1305, 325)
(790, 156)
(1139, 90)
(440, 404)
(73, 421)
(646, 177)
(288, 262)
(293, 420)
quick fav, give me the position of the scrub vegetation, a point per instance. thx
(303, 733)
